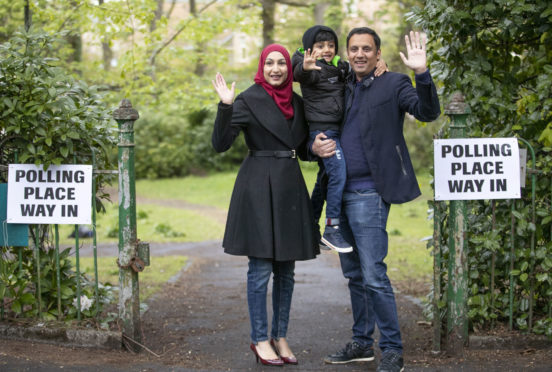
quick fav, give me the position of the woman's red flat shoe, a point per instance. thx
(286, 360)
(267, 362)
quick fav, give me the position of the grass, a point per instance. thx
(408, 258)
(153, 277)
(154, 224)
(213, 190)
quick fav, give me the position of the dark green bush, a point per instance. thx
(18, 286)
(46, 115)
(171, 144)
(498, 53)
(160, 146)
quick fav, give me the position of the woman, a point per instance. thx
(270, 216)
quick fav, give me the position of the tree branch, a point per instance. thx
(169, 12)
(73, 11)
(206, 6)
(178, 32)
(293, 3)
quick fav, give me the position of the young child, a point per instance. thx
(322, 74)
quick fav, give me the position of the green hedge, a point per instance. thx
(172, 144)
(498, 53)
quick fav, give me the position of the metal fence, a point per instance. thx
(451, 276)
(133, 255)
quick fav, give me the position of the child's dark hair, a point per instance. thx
(324, 36)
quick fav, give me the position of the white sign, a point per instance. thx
(60, 195)
(476, 168)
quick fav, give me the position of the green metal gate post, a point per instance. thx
(457, 290)
(129, 299)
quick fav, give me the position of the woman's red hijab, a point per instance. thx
(281, 94)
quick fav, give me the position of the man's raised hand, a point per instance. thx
(415, 52)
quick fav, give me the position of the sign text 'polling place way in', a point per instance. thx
(62, 194)
(477, 168)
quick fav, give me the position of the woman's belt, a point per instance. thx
(274, 154)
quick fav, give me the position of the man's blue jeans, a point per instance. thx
(363, 224)
(258, 276)
(337, 176)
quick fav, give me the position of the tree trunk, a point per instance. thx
(107, 53)
(75, 41)
(28, 16)
(267, 16)
(200, 66)
(157, 15)
(319, 10)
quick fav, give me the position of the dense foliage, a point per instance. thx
(170, 144)
(498, 54)
(46, 117)
(49, 117)
(18, 286)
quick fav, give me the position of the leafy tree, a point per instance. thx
(11, 18)
(139, 50)
(49, 117)
(397, 27)
(498, 53)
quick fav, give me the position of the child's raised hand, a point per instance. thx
(226, 95)
(309, 61)
(381, 67)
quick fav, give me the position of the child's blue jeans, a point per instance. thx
(337, 176)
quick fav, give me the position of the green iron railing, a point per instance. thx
(133, 255)
(456, 331)
(37, 258)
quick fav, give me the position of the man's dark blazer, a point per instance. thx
(385, 100)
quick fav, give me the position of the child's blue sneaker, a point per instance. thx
(332, 238)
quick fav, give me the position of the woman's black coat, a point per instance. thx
(270, 213)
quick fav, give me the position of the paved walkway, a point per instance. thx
(199, 322)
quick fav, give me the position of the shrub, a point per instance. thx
(498, 54)
(171, 144)
(46, 115)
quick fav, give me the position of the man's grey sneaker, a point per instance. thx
(391, 362)
(332, 238)
(352, 352)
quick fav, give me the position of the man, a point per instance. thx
(379, 173)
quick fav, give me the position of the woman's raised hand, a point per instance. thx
(309, 61)
(226, 95)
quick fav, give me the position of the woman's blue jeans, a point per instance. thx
(363, 224)
(258, 276)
